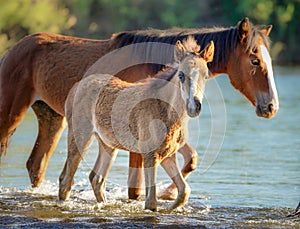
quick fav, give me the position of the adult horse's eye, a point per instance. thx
(181, 76)
(255, 62)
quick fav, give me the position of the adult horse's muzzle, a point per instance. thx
(267, 109)
(193, 107)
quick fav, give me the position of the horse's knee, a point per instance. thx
(191, 162)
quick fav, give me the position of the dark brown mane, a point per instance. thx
(164, 76)
(225, 39)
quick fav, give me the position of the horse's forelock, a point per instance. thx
(190, 44)
(253, 39)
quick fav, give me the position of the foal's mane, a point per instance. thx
(163, 77)
(225, 39)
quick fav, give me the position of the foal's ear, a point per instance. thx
(244, 28)
(267, 30)
(179, 51)
(208, 53)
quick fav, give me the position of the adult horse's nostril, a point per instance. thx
(198, 104)
(270, 107)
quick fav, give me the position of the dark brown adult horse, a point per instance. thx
(40, 70)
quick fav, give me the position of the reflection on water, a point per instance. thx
(254, 181)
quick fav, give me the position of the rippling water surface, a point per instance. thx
(252, 181)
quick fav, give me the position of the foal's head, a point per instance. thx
(193, 72)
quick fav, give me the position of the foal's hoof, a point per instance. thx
(151, 205)
(169, 193)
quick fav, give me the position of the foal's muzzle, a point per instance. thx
(195, 109)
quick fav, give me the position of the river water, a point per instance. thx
(248, 172)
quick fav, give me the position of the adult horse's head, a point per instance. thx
(250, 68)
(193, 72)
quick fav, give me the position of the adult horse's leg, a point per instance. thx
(51, 126)
(170, 166)
(190, 157)
(135, 175)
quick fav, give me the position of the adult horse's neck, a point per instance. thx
(225, 40)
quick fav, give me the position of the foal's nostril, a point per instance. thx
(270, 107)
(198, 104)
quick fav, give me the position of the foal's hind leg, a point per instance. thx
(51, 126)
(102, 166)
(190, 157)
(171, 167)
(76, 151)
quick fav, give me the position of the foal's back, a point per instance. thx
(127, 114)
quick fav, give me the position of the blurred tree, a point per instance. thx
(21, 17)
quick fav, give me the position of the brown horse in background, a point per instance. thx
(40, 70)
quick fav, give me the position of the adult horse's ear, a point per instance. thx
(179, 51)
(267, 30)
(208, 53)
(244, 28)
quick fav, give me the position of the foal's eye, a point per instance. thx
(255, 62)
(181, 76)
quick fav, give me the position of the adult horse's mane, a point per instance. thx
(225, 39)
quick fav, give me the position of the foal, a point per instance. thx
(148, 117)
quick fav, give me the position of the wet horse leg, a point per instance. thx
(190, 157)
(150, 165)
(171, 167)
(76, 152)
(98, 175)
(51, 126)
(135, 175)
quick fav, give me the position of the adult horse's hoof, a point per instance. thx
(151, 205)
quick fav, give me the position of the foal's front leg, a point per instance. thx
(190, 157)
(98, 175)
(150, 165)
(171, 167)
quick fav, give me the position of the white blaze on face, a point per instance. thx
(193, 88)
(267, 59)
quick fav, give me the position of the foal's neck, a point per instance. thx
(170, 93)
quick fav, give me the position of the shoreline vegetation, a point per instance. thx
(99, 19)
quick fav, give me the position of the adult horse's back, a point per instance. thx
(42, 67)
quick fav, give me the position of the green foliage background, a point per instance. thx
(100, 18)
